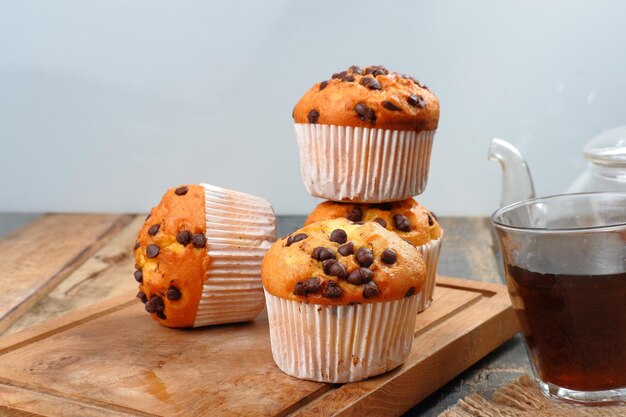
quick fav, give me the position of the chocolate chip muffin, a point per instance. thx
(366, 135)
(199, 251)
(332, 289)
(407, 218)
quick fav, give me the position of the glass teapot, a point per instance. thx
(606, 170)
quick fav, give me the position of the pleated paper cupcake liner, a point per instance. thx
(240, 228)
(340, 344)
(343, 163)
(430, 253)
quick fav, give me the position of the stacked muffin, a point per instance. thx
(343, 292)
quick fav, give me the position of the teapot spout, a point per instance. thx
(517, 184)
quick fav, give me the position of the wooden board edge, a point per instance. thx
(464, 283)
(502, 324)
(21, 400)
(121, 221)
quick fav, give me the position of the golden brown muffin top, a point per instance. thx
(171, 257)
(370, 97)
(407, 218)
(338, 262)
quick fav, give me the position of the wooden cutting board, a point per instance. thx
(112, 359)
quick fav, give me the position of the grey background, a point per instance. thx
(103, 105)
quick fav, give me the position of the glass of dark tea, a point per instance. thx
(565, 265)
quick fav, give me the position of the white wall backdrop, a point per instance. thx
(103, 105)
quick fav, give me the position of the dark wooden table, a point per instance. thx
(468, 252)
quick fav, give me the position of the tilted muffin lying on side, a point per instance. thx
(198, 256)
(366, 135)
(407, 218)
(341, 300)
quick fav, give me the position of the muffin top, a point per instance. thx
(338, 262)
(171, 256)
(370, 97)
(407, 218)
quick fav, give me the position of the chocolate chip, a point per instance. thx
(142, 296)
(355, 215)
(152, 250)
(347, 249)
(161, 315)
(323, 85)
(370, 290)
(390, 106)
(332, 290)
(138, 275)
(364, 257)
(376, 70)
(183, 237)
(401, 223)
(415, 81)
(314, 285)
(334, 268)
(360, 109)
(182, 190)
(313, 116)
(347, 78)
(371, 83)
(338, 270)
(310, 286)
(409, 292)
(383, 206)
(359, 276)
(415, 100)
(300, 289)
(154, 229)
(322, 254)
(198, 240)
(339, 236)
(365, 113)
(431, 222)
(173, 293)
(380, 221)
(155, 304)
(338, 75)
(388, 256)
(360, 223)
(355, 70)
(136, 246)
(296, 238)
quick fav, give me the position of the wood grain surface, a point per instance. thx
(112, 358)
(108, 273)
(38, 256)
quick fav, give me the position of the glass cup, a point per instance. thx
(565, 264)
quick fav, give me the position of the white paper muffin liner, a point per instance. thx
(430, 253)
(364, 165)
(240, 228)
(340, 343)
